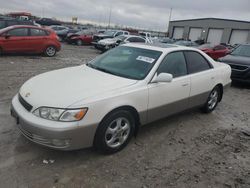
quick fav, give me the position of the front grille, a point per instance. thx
(239, 67)
(25, 104)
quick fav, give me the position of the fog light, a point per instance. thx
(60, 143)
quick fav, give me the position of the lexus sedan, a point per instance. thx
(104, 102)
(239, 60)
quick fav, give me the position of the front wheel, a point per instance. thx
(50, 51)
(79, 42)
(114, 132)
(212, 101)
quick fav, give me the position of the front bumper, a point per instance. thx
(53, 134)
(240, 73)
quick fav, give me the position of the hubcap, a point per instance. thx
(51, 51)
(213, 98)
(117, 132)
(79, 42)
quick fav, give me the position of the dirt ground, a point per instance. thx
(187, 150)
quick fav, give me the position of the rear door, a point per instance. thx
(169, 98)
(202, 77)
(37, 39)
(16, 40)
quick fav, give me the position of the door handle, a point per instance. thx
(184, 85)
(212, 78)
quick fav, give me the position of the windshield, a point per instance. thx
(205, 46)
(110, 33)
(128, 62)
(242, 50)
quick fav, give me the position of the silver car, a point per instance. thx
(103, 102)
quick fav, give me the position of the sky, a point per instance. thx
(147, 14)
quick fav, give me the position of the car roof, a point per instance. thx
(159, 46)
(23, 26)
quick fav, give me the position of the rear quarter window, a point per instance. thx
(196, 62)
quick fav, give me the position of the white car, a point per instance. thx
(103, 103)
(109, 43)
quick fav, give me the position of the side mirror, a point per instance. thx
(163, 77)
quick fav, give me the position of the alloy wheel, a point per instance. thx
(117, 132)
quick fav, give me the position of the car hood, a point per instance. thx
(62, 88)
(241, 60)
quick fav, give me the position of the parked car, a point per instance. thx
(167, 40)
(29, 39)
(239, 60)
(216, 51)
(81, 37)
(48, 22)
(107, 44)
(103, 103)
(186, 43)
(109, 34)
(9, 22)
(64, 33)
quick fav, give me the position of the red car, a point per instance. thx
(214, 51)
(29, 39)
(80, 38)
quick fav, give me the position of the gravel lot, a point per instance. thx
(187, 150)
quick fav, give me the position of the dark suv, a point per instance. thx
(239, 60)
(9, 22)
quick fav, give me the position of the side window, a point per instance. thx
(19, 32)
(37, 32)
(196, 62)
(175, 64)
(140, 40)
(131, 39)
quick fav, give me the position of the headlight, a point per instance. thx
(57, 114)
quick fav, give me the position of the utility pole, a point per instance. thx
(170, 16)
(110, 16)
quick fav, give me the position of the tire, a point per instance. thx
(50, 51)
(79, 42)
(1, 51)
(212, 101)
(114, 132)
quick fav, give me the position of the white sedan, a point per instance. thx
(103, 102)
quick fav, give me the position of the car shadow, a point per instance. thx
(240, 85)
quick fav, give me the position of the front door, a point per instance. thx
(169, 98)
(16, 40)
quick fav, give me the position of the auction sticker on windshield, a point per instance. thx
(145, 59)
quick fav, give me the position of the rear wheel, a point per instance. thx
(114, 132)
(212, 101)
(79, 42)
(50, 51)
